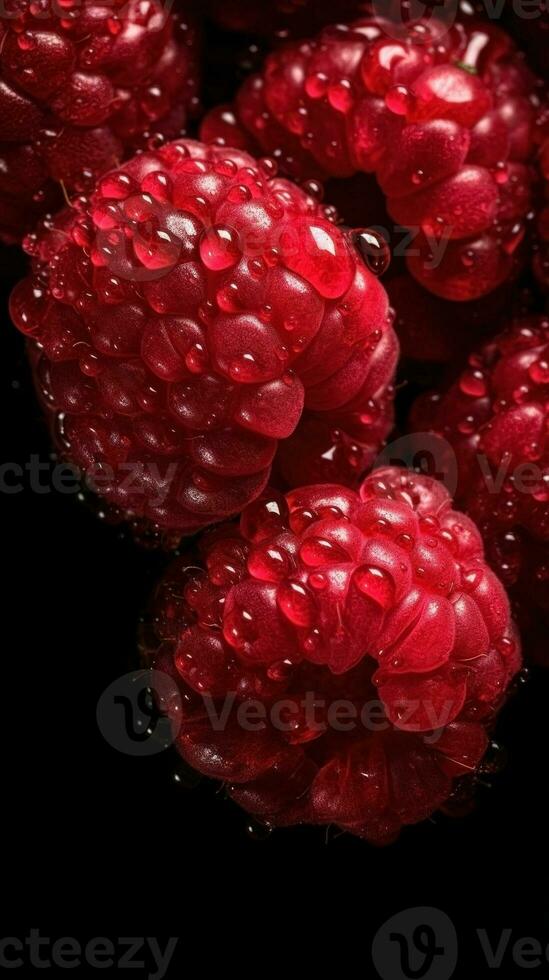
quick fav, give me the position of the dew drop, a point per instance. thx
(539, 372)
(399, 100)
(375, 583)
(196, 359)
(219, 248)
(269, 563)
(473, 383)
(296, 603)
(317, 552)
(373, 249)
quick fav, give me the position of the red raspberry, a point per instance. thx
(496, 420)
(185, 316)
(378, 605)
(444, 118)
(81, 83)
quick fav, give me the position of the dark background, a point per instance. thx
(99, 843)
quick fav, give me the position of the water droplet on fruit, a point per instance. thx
(373, 249)
(239, 628)
(219, 248)
(340, 95)
(473, 383)
(501, 175)
(468, 258)
(269, 563)
(257, 831)
(296, 602)
(539, 372)
(399, 100)
(227, 298)
(375, 583)
(316, 85)
(320, 551)
(281, 670)
(196, 359)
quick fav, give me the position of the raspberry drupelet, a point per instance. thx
(82, 85)
(379, 607)
(495, 418)
(183, 321)
(444, 117)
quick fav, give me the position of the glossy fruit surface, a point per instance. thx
(376, 606)
(82, 84)
(444, 117)
(185, 318)
(495, 419)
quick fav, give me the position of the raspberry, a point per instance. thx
(445, 118)
(81, 83)
(496, 420)
(376, 602)
(182, 319)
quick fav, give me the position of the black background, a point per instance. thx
(98, 843)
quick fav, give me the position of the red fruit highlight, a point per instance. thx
(186, 317)
(82, 85)
(367, 630)
(496, 420)
(444, 117)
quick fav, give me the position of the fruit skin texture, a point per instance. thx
(444, 118)
(378, 597)
(82, 85)
(183, 321)
(495, 418)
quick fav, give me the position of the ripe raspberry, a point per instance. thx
(378, 601)
(444, 118)
(496, 419)
(81, 83)
(185, 316)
